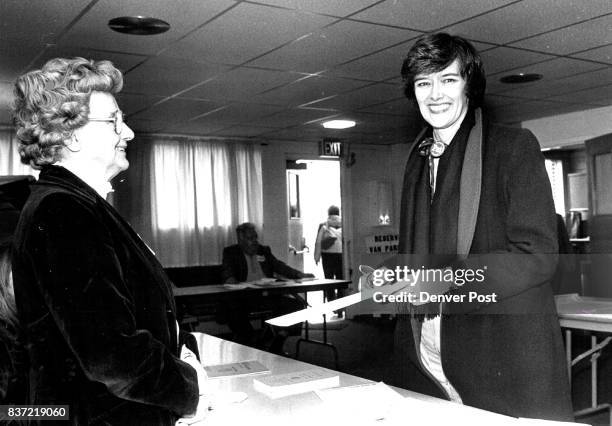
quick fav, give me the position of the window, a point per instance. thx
(554, 168)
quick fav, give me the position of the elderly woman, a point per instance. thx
(96, 307)
(476, 198)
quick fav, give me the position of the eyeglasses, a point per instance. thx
(117, 118)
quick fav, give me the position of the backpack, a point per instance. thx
(329, 237)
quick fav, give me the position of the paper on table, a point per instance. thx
(281, 385)
(366, 402)
(235, 369)
(314, 313)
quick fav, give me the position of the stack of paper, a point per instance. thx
(235, 369)
(280, 385)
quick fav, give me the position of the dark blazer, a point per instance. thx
(508, 356)
(235, 265)
(97, 310)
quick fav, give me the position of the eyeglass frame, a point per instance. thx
(117, 120)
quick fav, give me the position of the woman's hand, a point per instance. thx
(190, 358)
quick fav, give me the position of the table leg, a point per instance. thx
(568, 353)
(305, 322)
(594, 371)
(325, 343)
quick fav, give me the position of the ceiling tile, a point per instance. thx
(381, 65)
(26, 27)
(402, 107)
(573, 39)
(241, 83)
(241, 113)
(426, 15)
(532, 110)
(247, 31)
(504, 58)
(307, 90)
(200, 127)
(242, 131)
(335, 8)
(167, 76)
(191, 63)
(45, 20)
(546, 88)
(145, 126)
(601, 54)
(496, 101)
(370, 95)
(291, 117)
(293, 134)
(369, 122)
(556, 68)
(92, 30)
(122, 61)
(333, 45)
(377, 67)
(177, 110)
(528, 18)
(130, 103)
(596, 96)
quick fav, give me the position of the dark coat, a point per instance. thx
(97, 310)
(235, 265)
(508, 356)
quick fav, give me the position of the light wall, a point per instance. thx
(572, 128)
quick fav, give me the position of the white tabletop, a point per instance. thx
(308, 408)
(585, 313)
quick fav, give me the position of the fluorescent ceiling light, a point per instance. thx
(338, 124)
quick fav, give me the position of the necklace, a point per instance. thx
(431, 146)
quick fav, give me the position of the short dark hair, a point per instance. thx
(434, 52)
(333, 210)
(244, 227)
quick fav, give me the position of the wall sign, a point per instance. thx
(382, 243)
(330, 148)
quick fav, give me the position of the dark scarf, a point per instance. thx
(430, 233)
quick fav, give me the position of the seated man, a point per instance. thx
(250, 261)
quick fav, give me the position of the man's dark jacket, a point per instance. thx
(506, 357)
(235, 265)
(97, 311)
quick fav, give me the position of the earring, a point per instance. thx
(73, 144)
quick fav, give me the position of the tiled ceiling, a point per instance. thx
(273, 69)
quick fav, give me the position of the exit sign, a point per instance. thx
(330, 148)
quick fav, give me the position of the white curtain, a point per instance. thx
(186, 196)
(10, 164)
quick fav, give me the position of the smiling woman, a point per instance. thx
(481, 202)
(100, 324)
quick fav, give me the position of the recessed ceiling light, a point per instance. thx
(520, 78)
(138, 25)
(338, 124)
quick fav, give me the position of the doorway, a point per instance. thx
(313, 186)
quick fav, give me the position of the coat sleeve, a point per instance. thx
(280, 267)
(77, 271)
(530, 256)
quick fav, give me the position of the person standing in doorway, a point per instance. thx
(328, 248)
